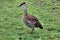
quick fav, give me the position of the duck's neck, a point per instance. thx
(25, 9)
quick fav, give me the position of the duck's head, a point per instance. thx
(22, 4)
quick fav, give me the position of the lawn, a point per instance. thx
(13, 28)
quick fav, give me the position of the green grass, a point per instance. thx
(13, 28)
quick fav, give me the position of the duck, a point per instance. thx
(29, 20)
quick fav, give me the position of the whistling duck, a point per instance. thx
(30, 20)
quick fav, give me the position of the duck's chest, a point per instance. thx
(28, 23)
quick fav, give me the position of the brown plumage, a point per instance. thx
(30, 20)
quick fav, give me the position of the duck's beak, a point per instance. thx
(19, 6)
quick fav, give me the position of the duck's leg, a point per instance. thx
(32, 30)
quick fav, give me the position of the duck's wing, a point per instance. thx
(32, 21)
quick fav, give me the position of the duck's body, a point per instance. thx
(30, 20)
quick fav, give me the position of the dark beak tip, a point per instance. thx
(19, 6)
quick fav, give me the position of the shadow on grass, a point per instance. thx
(58, 30)
(52, 29)
(20, 38)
